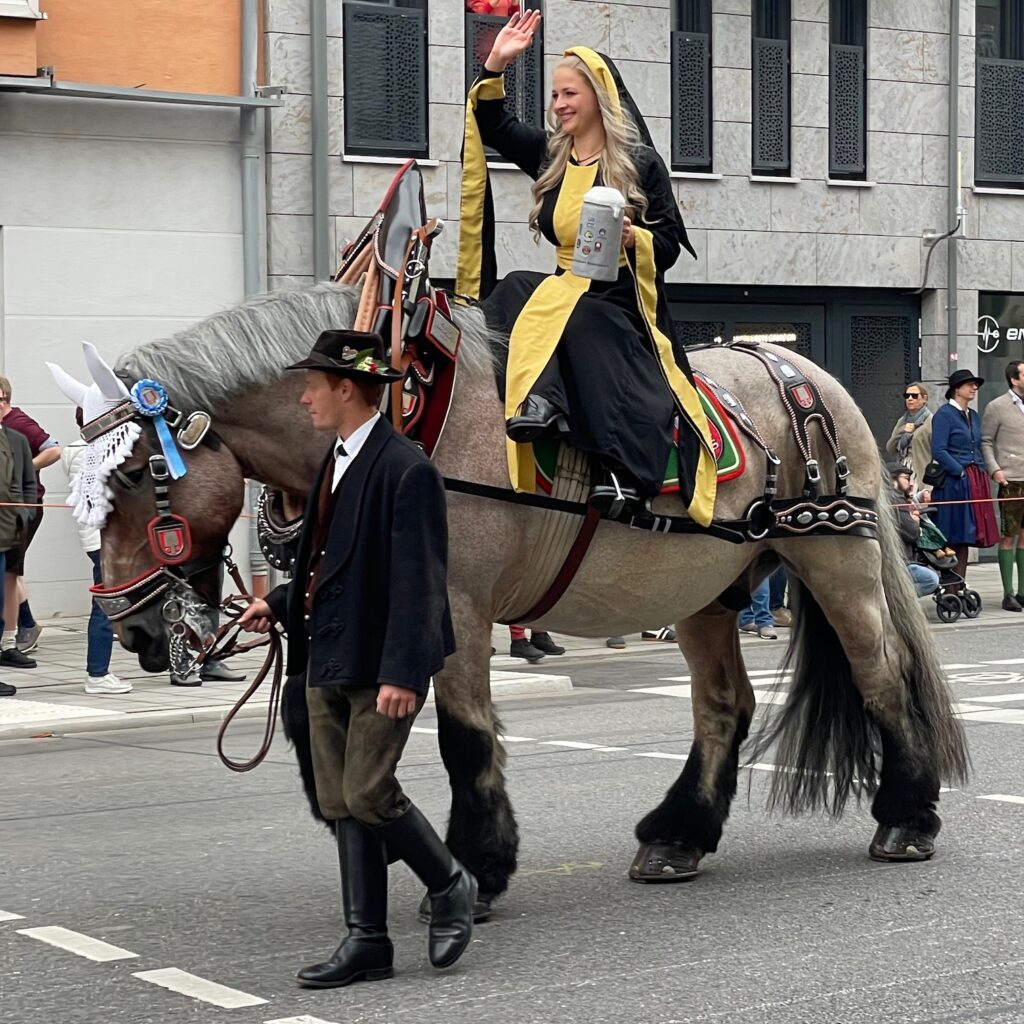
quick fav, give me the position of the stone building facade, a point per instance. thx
(835, 262)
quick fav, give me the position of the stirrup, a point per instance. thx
(612, 500)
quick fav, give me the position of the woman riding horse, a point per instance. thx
(593, 361)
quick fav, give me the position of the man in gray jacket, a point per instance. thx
(1002, 444)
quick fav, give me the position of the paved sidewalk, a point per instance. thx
(51, 700)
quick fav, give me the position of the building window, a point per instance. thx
(524, 79)
(385, 53)
(770, 87)
(691, 85)
(847, 117)
(999, 97)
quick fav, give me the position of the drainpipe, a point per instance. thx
(954, 211)
(252, 277)
(318, 85)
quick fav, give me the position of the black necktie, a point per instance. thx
(339, 450)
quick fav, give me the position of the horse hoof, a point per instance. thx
(893, 843)
(482, 908)
(665, 862)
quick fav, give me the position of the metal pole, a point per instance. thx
(318, 77)
(251, 170)
(953, 191)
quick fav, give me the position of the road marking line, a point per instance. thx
(517, 739)
(1005, 661)
(1002, 716)
(6, 915)
(997, 698)
(304, 1019)
(1003, 798)
(664, 691)
(962, 708)
(664, 757)
(573, 744)
(609, 750)
(76, 942)
(423, 728)
(199, 988)
(966, 664)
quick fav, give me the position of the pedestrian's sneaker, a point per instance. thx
(192, 679)
(616, 643)
(107, 684)
(6, 690)
(782, 617)
(667, 635)
(28, 639)
(748, 627)
(767, 633)
(217, 672)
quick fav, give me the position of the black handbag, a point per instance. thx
(935, 475)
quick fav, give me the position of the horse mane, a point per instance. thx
(250, 344)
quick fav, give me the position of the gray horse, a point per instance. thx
(868, 711)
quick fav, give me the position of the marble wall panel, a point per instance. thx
(809, 101)
(896, 54)
(567, 23)
(686, 269)
(731, 147)
(812, 206)
(340, 188)
(1000, 216)
(965, 111)
(967, 311)
(633, 35)
(809, 48)
(907, 107)
(760, 257)
(447, 127)
(288, 128)
(454, 190)
(902, 210)
(868, 261)
(730, 204)
(810, 10)
(370, 182)
(447, 81)
(935, 160)
(287, 61)
(289, 183)
(915, 15)
(516, 249)
(289, 282)
(347, 229)
(289, 244)
(335, 67)
(967, 16)
(649, 86)
(730, 6)
(336, 18)
(933, 312)
(985, 265)
(730, 96)
(445, 252)
(934, 361)
(637, 5)
(446, 23)
(935, 57)
(895, 157)
(661, 135)
(968, 59)
(288, 16)
(730, 41)
(809, 153)
(1017, 267)
(513, 199)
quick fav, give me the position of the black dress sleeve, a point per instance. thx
(662, 218)
(519, 143)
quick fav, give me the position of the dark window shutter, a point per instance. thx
(846, 135)
(524, 79)
(999, 122)
(771, 105)
(385, 80)
(691, 101)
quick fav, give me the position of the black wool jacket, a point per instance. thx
(380, 610)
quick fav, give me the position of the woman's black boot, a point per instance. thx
(366, 953)
(450, 887)
(538, 418)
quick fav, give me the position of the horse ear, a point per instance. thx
(111, 386)
(74, 391)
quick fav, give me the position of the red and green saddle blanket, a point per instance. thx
(729, 454)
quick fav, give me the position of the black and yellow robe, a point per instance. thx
(602, 352)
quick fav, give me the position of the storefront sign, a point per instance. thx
(1000, 339)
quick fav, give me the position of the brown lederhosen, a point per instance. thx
(355, 749)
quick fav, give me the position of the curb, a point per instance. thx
(503, 685)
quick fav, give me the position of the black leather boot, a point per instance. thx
(537, 418)
(450, 887)
(366, 953)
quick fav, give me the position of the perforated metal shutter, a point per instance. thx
(846, 135)
(771, 105)
(999, 121)
(691, 101)
(385, 80)
(881, 354)
(524, 79)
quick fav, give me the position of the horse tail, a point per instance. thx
(295, 721)
(828, 743)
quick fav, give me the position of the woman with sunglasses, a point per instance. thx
(911, 440)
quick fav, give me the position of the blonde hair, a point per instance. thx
(622, 137)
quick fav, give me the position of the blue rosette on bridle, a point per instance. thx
(150, 398)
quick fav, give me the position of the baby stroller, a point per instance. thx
(934, 551)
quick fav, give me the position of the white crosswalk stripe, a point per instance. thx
(199, 988)
(6, 915)
(79, 944)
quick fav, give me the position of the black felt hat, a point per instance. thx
(350, 354)
(959, 377)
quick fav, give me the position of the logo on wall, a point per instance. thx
(988, 333)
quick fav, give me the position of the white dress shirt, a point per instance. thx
(347, 448)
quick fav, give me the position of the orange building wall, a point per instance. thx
(17, 47)
(174, 45)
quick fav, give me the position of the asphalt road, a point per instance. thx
(142, 840)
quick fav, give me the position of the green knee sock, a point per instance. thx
(1020, 570)
(1006, 557)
